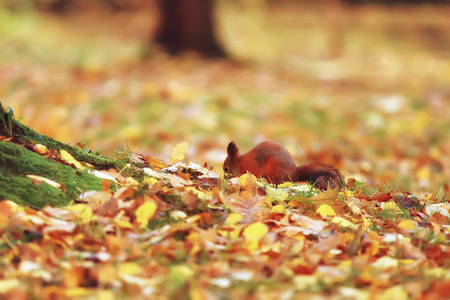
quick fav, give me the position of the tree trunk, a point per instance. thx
(188, 25)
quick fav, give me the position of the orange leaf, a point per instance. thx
(439, 218)
(155, 162)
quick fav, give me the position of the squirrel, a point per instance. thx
(272, 161)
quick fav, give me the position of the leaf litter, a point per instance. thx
(171, 235)
(185, 231)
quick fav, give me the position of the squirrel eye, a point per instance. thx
(225, 169)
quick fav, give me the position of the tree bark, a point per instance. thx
(188, 25)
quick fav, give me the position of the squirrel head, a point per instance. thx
(231, 163)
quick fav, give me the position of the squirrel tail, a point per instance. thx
(320, 174)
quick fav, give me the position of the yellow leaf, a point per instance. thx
(201, 195)
(70, 160)
(255, 231)
(246, 179)
(325, 210)
(278, 209)
(367, 223)
(83, 212)
(285, 184)
(46, 180)
(123, 224)
(178, 275)
(179, 152)
(407, 225)
(344, 223)
(149, 180)
(232, 234)
(233, 218)
(347, 193)
(391, 206)
(132, 181)
(8, 284)
(130, 268)
(385, 262)
(145, 212)
(276, 194)
(253, 234)
(407, 262)
(193, 219)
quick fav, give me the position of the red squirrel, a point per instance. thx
(272, 161)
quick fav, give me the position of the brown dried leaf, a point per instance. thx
(189, 199)
(248, 205)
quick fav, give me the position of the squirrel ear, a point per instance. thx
(232, 150)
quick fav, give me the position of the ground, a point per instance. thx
(363, 88)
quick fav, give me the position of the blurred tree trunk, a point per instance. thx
(188, 25)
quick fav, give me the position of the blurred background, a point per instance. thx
(362, 85)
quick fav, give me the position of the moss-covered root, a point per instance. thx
(16, 162)
(21, 132)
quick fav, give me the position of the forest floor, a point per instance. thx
(364, 88)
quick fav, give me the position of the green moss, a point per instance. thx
(22, 134)
(16, 162)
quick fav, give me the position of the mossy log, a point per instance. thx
(17, 161)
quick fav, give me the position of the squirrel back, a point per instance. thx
(272, 161)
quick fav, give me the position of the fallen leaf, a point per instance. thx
(384, 263)
(247, 205)
(253, 234)
(233, 218)
(52, 183)
(439, 218)
(276, 194)
(278, 209)
(40, 149)
(145, 213)
(83, 212)
(247, 182)
(70, 160)
(430, 209)
(103, 175)
(391, 207)
(179, 152)
(327, 197)
(155, 162)
(344, 223)
(325, 210)
(407, 225)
